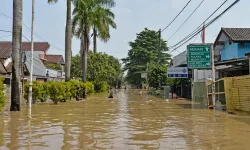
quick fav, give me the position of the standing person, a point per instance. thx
(77, 94)
(84, 94)
(110, 93)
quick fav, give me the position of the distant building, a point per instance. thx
(55, 59)
(232, 45)
(40, 72)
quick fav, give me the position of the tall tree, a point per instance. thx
(68, 39)
(84, 16)
(145, 50)
(103, 20)
(101, 67)
(16, 49)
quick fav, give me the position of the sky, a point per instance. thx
(132, 16)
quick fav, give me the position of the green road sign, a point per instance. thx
(199, 56)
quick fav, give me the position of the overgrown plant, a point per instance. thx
(2, 95)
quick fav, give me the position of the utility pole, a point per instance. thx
(213, 78)
(31, 58)
(159, 50)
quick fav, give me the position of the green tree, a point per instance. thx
(84, 18)
(102, 67)
(103, 20)
(68, 39)
(145, 50)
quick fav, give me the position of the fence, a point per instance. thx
(232, 92)
(220, 95)
(240, 94)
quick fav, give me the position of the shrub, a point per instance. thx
(56, 91)
(89, 87)
(73, 84)
(2, 95)
(44, 92)
(100, 86)
(37, 90)
(67, 91)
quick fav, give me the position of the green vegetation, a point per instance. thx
(104, 70)
(2, 95)
(147, 50)
(87, 15)
(56, 91)
(53, 66)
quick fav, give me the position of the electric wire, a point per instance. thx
(186, 20)
(207, 25)
(177, 15)
(199, 27)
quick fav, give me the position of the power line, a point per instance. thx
(208, 24)
(186, 19)
(177, 15)
(192, 33)
(34, 33)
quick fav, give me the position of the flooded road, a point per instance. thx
(128, 122)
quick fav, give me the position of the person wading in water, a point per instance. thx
(111, 93)
(84, 94)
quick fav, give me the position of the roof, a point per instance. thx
(6, 47)
(235, 34)
(2, 68)
(9, 67)
(38, 67)
(57, 59)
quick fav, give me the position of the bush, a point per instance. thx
(44, 92)
(2, 95)
(100, 86)
(57, 91)
(89, 87)
(37, 90)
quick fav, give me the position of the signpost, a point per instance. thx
(177, 72)
(199, 56)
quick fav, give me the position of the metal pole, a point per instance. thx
(31, 58)
(213, 78)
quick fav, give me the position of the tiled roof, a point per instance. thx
(9, 67)
(2, 68)
(57, 59)
(6, 47)
(238, 34)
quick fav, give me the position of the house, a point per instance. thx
(232, 45)
(40, 72)
(56, 60)
(6, 50)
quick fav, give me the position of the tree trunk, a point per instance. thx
(94, 39)
(16, 48)
(85, 49)
(82, 59)
(68, 37)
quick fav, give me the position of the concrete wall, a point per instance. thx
(229, 51)
(235, 50)
(243, 50)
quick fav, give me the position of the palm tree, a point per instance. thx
(68, 39)
(103, 20)
(85, 16)
(16, 49)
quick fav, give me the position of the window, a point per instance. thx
(241, 45)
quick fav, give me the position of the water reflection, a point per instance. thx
(128, 121)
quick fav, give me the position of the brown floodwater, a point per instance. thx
(127, 122)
